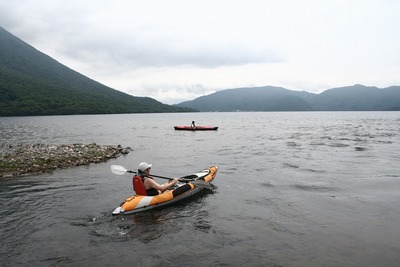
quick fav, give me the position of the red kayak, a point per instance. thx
(197, 128)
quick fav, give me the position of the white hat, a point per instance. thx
(144, 166)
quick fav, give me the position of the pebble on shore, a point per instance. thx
(23, 159)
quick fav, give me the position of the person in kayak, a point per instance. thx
(193, 125)
(152, 187)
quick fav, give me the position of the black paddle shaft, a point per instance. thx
(163, 177)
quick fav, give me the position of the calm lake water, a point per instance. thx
(293, 189)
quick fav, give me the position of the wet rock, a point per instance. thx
(22, 159)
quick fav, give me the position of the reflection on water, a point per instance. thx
(293, 189)
(151, 225)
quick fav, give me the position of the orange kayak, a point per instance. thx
(195, 183)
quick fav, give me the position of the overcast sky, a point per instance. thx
(174, 50)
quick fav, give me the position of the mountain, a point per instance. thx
(32, 83)
(269, 98)
(358, 98)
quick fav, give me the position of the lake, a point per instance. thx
(293, 189)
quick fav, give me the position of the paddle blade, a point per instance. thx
(117, 169)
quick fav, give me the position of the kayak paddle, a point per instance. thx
(121, 170)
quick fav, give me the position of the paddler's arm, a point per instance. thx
(169, 184)
(150, 183)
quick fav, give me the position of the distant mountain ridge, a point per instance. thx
(270, 98)
(32, 83)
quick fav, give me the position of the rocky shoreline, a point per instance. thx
(23, 159)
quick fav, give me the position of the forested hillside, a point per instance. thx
(32, 83)
(269, 98)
